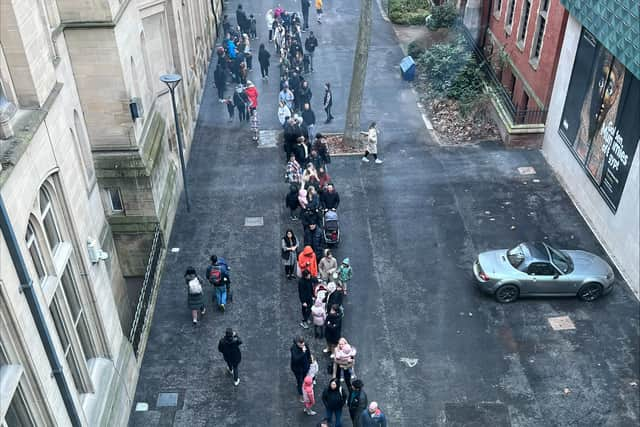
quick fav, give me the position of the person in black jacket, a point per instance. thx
(305, 293)
(300, 362)
(330, 198)
(308, 217)
(291, 201)
(219, 78)
(242, 20)
(229, 346)
(240, 100)
(314, 238)
(327, 102)
(308, 116)
(332, 328)
(357, 401)
(333, 398)
(305, 4)
(263, 58)
(310, 45)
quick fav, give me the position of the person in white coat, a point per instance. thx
(372, 144)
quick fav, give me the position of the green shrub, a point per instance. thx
(416, 49)
(451, 71)
(442, 16)
(408, 12)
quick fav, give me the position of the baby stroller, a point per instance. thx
(331, 227)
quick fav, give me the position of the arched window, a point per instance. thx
(36, 254)
(49, 221)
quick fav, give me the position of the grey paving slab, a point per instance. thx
(411, 228)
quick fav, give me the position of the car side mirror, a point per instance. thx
(555, 276)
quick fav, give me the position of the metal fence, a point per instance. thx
(139, 326)
(518, 116)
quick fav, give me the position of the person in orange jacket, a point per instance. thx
(307, 261)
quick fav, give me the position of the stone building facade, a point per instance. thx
(89, 182)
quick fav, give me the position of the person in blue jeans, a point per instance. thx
(218, 276)
(334, 398)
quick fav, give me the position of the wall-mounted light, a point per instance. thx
(96, 254)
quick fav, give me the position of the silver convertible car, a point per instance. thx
(537, 269)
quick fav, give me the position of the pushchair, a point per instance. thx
(331, 227)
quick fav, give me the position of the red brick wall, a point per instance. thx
(539, 78)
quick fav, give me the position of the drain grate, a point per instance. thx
(561, 323)
(166, 400)
(254, 221)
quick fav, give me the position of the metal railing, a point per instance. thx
(139, 325)
(518, 116)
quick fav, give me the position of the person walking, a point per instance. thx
(310, 45)
(264, 58)
(373, 416)
(334, 398)
(229, 346)
(218, 276)
(305, 294)
(305, 4)
(328, 102)
(300, 362)
(195, 294)
(230, 107)
(319, 13)
(357, 402)
(372, 144)
(289, 252)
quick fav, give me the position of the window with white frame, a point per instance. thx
(511, 8)
(36, 254)
(524, 22)
(49, 220)
(497, 8)
(538, 37)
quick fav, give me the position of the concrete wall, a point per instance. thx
(618, 232)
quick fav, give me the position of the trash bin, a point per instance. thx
(408, 68)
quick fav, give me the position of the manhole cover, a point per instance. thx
(561, 323)
(268, 138)
(253, 221)
(526, 170)
(167, 400)
(476, 415)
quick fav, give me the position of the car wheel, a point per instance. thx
(507, 293)
(590, 292)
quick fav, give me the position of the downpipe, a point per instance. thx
(26, 287)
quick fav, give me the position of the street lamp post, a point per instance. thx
(172, 80)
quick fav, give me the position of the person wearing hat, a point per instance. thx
(357, 401)
(345, 272)
(373, 416)
(229, 346)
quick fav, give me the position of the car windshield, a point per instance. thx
(515, 256)
(560, 260)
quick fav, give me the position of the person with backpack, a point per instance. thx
(195, 293)
(218, 276)
(229, 346)
(357, 401)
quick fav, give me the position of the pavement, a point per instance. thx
(432, 350)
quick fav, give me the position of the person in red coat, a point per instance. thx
(252, 94)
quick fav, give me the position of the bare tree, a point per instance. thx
(352, 125)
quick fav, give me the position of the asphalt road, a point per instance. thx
(411, 228)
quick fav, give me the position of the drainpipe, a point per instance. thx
(26, 286)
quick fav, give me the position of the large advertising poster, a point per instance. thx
(601, 117)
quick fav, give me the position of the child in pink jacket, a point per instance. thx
(319, 315)
(308, 396)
